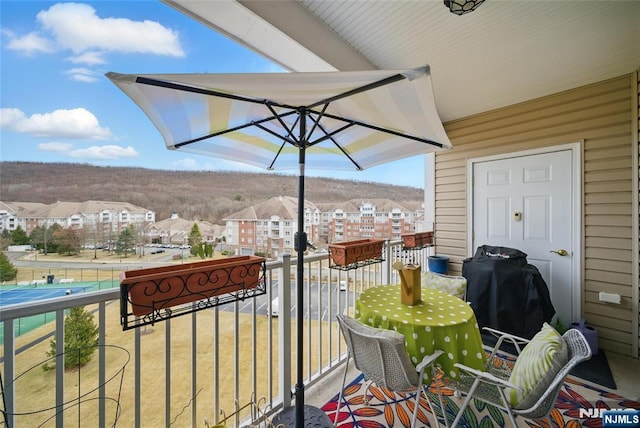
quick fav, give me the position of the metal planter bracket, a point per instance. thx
(156, 294)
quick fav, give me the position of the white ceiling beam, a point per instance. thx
(282, 30)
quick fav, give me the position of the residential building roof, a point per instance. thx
(285, 207)
(177, 226)
(62, 209)
(25, 209)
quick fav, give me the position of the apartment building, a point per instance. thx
(270, 226)
(367, 218)
(103, 217)
(176, 230)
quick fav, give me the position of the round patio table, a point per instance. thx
(438, 321)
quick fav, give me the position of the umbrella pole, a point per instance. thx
(301, 246)
(304, 416)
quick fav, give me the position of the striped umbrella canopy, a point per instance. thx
(329, 120)
(351, 120)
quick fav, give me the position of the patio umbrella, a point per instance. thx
(328, 120)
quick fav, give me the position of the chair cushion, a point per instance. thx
(536, 367)
(454, 285)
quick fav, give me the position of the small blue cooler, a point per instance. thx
(438, 264)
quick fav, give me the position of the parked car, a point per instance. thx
(274, 307)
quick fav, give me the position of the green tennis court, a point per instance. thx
(11, 295)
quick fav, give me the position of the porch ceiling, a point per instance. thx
(503, 53)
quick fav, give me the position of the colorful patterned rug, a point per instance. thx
(389, 409)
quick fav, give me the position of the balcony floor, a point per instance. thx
(625, 373)
(624, 369)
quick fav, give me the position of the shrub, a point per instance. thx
(80, 339)
(8, 271)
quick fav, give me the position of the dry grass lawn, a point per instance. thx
(36, 389)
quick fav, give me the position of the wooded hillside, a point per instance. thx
(193, 195)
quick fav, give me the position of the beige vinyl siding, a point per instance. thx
(600, 116)
(636, 204)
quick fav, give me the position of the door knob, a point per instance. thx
(560, 252)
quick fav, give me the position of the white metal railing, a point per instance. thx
(200, 367)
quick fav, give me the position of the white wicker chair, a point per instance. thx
(489, 386)
(381, 356)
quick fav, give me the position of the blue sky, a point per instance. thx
(57, 105)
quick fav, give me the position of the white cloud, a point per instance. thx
(213, 164)
(104, 152)
(76, 27)
(55, 147)
(107, 152)
(89, 58)
(77, 123)
(227, 165)
(29, 44)
(189, 164)
(9, 116)
(80, 74)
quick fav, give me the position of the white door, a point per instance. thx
(527, 203)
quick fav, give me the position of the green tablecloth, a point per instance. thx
(439, 321)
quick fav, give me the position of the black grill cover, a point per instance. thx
(505, 292)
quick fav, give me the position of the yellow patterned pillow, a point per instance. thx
(454, 285)
(536, 367)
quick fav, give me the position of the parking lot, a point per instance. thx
(321, 302)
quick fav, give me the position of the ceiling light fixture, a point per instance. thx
(460, 7)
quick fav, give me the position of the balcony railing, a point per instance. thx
(190, 369)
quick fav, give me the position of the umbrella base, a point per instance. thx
(313, 417)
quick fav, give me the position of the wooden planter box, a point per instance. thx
(417, 240)
(152, 289)
(354, 252)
